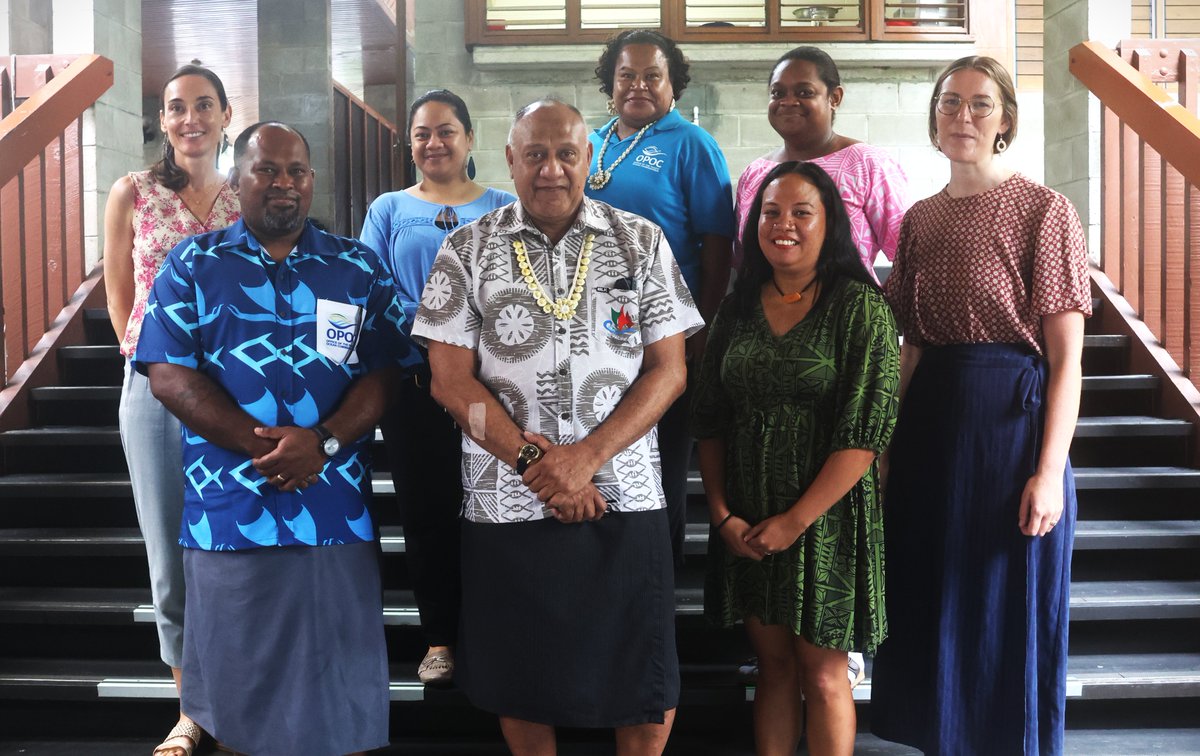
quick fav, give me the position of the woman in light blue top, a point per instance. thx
(406, 229)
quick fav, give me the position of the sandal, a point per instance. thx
(185, 736)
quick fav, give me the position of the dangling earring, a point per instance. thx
(612, 107)
(471, 167)
(224, 141)
(1001, 145)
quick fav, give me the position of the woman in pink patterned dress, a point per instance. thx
(148, 213)
(805, 91)
(991, 290)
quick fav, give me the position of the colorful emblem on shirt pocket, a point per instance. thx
(621, 322)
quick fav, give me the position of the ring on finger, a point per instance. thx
(280, 479)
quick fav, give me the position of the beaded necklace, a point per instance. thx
(562, 308)
(602, 176)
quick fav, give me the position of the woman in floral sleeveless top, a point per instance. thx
(148, 213)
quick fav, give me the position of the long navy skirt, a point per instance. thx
(976, 657)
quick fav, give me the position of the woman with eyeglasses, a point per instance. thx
(991, 289)
(803, 95)
(423, 444)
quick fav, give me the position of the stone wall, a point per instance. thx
(295, 79)
(25, 27)
(887, 93)
(1073, 145)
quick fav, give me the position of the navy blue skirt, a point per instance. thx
(570, 625)
(283, 649)
(976, 657)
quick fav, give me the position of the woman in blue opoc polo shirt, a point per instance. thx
(651, 161)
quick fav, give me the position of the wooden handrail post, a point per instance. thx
(26, 131)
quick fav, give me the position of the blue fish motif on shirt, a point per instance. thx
(361, 526)
(301, 299)
(263, 296)
(304, 412)
(303, 527)
(264, 409)
(201, 532)
(262, 531)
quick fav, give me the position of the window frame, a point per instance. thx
(673, 25)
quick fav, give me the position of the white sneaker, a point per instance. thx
(857, 669)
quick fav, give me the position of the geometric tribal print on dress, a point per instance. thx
(559, 378)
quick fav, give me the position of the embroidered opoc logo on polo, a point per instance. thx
(338, 325)
(652, 158)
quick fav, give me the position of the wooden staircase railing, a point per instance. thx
(365, 163)
(1150, 229)
(42, 260)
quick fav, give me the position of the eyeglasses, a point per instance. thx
(447, 219)
(950, 104)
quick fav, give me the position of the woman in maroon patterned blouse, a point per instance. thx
(991, 289)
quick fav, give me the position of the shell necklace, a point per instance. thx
(602, 176)
(562, 308)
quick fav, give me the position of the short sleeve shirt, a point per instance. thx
(986, 268)
(402, 230)
(676, 176)
(873, 188)
(558, 378)
(285, 340)
(161, 219)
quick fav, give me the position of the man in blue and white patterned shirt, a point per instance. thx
(275, 344)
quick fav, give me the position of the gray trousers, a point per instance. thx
(150, 436)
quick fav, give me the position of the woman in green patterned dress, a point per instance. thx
(797, 396)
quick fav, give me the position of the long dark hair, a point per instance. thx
(838, 259)
(166, 171)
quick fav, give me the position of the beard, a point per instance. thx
(282, 222)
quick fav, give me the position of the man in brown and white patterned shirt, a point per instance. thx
(556, 330)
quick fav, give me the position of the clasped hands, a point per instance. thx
(771, 536)
(289, 458)
(562, 480)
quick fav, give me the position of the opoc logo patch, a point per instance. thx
(651, 158)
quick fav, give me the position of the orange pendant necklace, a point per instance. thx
(793, 296)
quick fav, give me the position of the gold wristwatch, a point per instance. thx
(526, 456)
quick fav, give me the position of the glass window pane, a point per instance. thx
(726, 13)
(522, 15)
(925, 15)
(607, 14)
(831, 13)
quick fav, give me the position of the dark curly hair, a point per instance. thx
(166, 171)
(839, 258)
(677, 65)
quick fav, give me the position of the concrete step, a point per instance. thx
(1129, 478)
(1137, 534)
(1107, 676)
(1139, 426)
(1090, 600)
